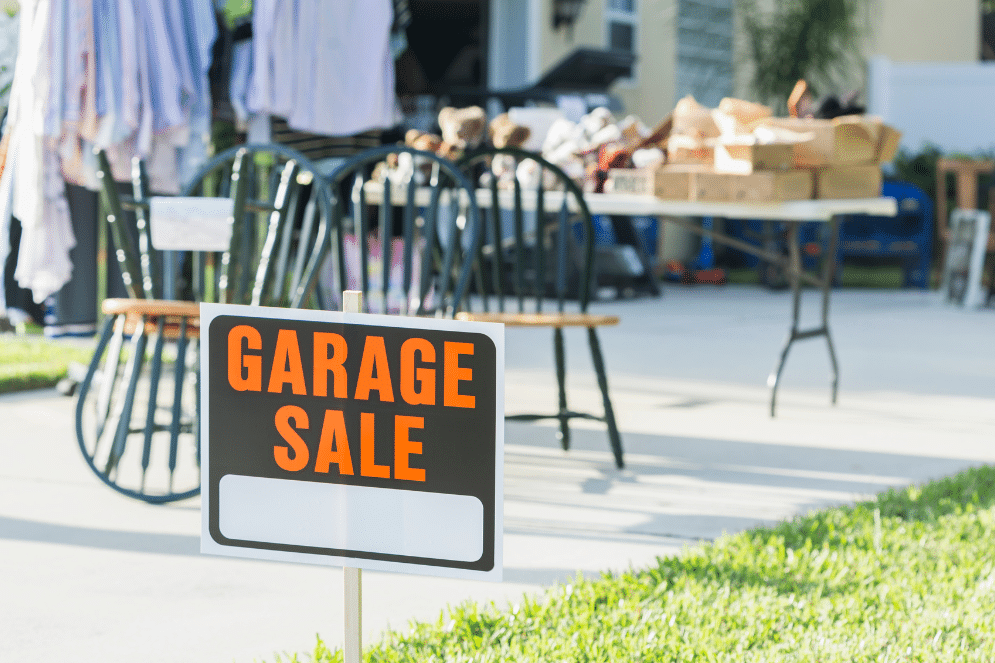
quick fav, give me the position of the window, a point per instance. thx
(621, 19)
(704, 49)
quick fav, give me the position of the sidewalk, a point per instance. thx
(88, 575)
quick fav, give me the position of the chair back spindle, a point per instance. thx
(138, 407)
(417, 266)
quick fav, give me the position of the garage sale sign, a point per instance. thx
(354, 440)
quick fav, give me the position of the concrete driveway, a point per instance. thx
(88, 575)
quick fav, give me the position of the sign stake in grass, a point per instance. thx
(355, 440)
(352, 577)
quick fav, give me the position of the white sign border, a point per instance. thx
(494, 331)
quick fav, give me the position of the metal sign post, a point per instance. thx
(352, 577)
(353, 595)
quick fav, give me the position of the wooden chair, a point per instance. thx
(524, 267)
(137, 409)
(404, 231)
(966, 173)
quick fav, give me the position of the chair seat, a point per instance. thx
(542, 319)
(152, 310)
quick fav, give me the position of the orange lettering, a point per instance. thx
(245, 372)
(454, 375)
(332, 432)
(424, 376)
(374, 357)
(367, 463)
(405, 446)
(281, 454)
(323, 364)
(287, 352)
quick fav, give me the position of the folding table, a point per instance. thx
(688, 215)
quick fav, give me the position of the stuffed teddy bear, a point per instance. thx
(506, 133)
(461, 128)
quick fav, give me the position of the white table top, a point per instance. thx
(793, 210)
(622, 204)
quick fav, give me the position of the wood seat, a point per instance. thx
(420, 231)
(172, 315)
(151, 307)
(558, 320)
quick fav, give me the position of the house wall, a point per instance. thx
(651, 94)
(946, 104)
(557, 44)
(925, 30)
(900, 30)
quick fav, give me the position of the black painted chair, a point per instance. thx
(425, 207)
(137, 409)
(532, 263)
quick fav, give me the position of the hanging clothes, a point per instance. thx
(127, 76)
(326, 66)
(31, 187)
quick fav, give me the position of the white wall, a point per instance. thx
(951, 105)
(925, 30)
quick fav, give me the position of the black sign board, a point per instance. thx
(356, 440)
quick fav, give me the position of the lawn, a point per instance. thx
(851, 276)
(35, 362)
(908, 576)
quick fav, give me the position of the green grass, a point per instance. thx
(909, 576)
(35, 362)
(852, 276)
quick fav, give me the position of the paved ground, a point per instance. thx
(87, 575)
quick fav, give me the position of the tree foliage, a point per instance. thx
(818, 40)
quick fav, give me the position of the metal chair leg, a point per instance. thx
(599, 367)
(177, 410)
(132, 373)
(154, 379)
(561, 380)
(84, 387)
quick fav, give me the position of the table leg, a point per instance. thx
(794, 280)
(794, 269)
(828, 275)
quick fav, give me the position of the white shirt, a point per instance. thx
(324, 65)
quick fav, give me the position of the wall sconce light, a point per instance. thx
(566, 12)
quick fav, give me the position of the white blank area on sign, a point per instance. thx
(191, 224)
(351, 518)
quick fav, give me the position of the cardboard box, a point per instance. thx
(699, 184)
(711, 187)
(744, 158)
(656, 181)
(839, 182)
(671, 182)
(888, 144)
(772, 186)
(648, 182)
(852, 139)
(685, 150)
